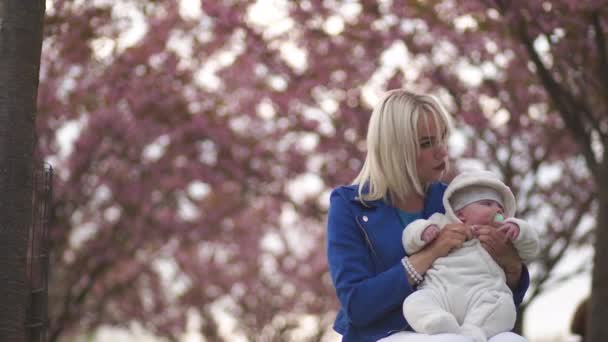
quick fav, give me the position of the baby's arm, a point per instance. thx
(430, 233)
(416, 234)
(527, 241)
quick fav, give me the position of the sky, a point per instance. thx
(547, 318)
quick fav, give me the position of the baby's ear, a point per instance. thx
(460, 216)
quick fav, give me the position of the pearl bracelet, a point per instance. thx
(412, 271)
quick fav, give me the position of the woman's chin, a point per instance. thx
(434, 176)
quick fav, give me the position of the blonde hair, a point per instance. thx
(390, 168)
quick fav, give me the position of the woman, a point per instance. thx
(399, 183)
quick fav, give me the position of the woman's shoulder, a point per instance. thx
(343, 199)
(347, 192)
(346, 189)
(352, 191)
(351, 196)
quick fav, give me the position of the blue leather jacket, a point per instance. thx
(364, 252)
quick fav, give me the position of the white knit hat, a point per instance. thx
(469, 181)
(473, 193)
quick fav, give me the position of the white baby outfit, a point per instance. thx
(465, 292)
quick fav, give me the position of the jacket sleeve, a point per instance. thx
(412, 234)
(522, 287)
(527, 242)
(364, 294)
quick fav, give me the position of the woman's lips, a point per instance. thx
(441, 167)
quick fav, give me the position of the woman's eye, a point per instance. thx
(425, 144)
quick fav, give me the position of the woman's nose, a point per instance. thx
(441, 151)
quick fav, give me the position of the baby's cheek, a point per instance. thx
(480, 221)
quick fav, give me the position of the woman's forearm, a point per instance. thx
(422, 261)
(513, 274)
(450, 237)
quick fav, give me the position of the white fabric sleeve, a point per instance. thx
(412, 233)
(527, 242)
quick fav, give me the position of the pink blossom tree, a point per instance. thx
(203, 149)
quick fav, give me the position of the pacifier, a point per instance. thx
(499, 217)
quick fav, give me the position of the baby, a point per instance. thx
(465, 292)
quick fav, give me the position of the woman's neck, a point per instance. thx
(413, 203)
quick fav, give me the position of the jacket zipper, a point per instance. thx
(367, 238)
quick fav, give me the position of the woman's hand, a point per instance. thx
(452, 236)
(498, 245)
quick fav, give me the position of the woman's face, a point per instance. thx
(432, 159)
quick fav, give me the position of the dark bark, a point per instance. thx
(597, 329)
(20, 45)
(574, 111)
(579, 321)
(580, 118)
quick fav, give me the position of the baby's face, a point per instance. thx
(480, 212)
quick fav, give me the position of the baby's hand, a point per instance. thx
(430, 233)
(510, 229)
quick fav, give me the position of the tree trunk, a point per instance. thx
(597, 329)
(20, 45)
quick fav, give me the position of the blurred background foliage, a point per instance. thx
(195, 143)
